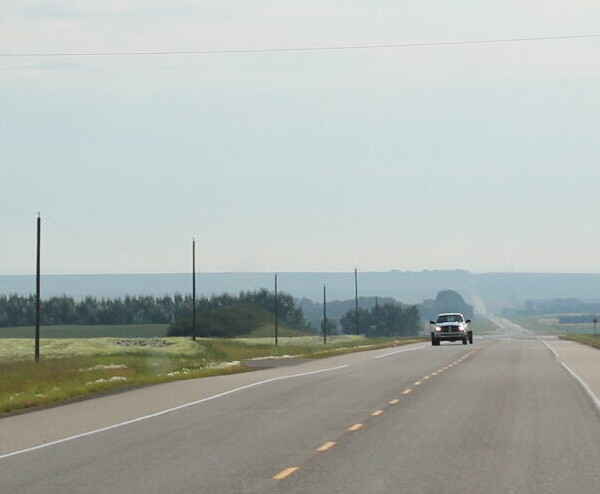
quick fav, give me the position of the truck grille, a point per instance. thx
(449, 329)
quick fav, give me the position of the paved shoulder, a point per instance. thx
(582, 361)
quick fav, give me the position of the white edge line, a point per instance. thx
(164, 412)
(584, 386)
(556, 354)
(399, 351)
(581, 382)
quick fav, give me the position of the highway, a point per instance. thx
(500, 416)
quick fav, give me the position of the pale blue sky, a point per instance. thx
(481, 157)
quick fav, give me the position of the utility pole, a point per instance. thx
(276, 313)
(37, 289)
(356, 298)
(324, 315)
(376, 317)
(193, 289)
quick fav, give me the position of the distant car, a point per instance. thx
(451, 326)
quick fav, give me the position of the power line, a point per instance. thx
(288, 50)
(104, 244)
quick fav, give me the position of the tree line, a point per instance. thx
(388, 319)
(556, 306)
(18, 310)
(445, 301)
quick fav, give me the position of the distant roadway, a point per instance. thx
(512, 413)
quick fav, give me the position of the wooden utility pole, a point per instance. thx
(324, 315)
(193, 289)
(356, 298)
(276, 313)
(37, 289)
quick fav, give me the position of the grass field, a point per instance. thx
(123, 331)
(75, 368)
(586, 339)
(548, 324)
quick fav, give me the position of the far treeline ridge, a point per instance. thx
(229, 315)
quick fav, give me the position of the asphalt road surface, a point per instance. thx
(499, 416)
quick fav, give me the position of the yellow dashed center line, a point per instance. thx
(330, 444)
(327, 446)
(284, 474)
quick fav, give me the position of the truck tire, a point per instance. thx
(471, 337)
(465, 340)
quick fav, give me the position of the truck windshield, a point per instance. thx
(450, 318)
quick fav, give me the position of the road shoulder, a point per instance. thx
(583, 362)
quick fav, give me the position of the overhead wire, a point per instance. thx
(104, 244)
(295, 49)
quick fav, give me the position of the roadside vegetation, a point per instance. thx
(99, 345)
(78, 368)
(550, 324)
(586, 339)
(17, 310)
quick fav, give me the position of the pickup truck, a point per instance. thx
(451, 326)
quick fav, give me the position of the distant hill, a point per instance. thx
(497, 290)
(409, 287)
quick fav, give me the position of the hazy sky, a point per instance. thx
(482, 157)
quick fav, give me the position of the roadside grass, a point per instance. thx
(77, 368)
(50, 348)
(89, 331)
(586, 339)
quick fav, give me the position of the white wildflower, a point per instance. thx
(223, 365)
(105, 367)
